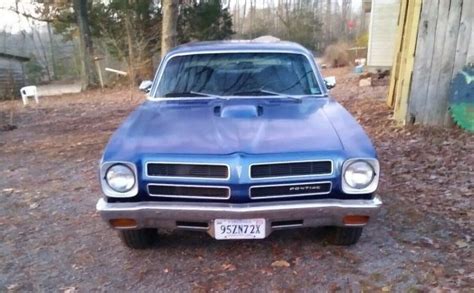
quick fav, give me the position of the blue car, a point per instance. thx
(238, 139)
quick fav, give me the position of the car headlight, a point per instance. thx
(360, 175)
(120, 178)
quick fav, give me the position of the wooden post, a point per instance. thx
(408, 54)
(99, 71)
(396, 56)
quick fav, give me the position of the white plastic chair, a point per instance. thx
(29, 91)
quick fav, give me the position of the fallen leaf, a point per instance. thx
(13, 287)
(228, 267)
(280, 263)
(318, 255)
(461, 244)
(427, 240)
(69, 290)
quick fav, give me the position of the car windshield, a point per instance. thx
(238, 74)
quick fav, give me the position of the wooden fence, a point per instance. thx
(434, 41)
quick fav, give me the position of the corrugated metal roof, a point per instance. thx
(13, 56)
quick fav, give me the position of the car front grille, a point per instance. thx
(290, 190)
(291, 169)
(187, 170)
(189, 191)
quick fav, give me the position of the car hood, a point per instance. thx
(252, 126)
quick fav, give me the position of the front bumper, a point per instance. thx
(180, 215)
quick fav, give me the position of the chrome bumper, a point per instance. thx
(171, 215)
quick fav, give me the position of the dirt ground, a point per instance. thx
(52, 239)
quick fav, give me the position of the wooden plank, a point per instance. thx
(464, 37)
(429, 116)
(447, 63)
(470, 18)
(391, 98)
(409, 55)
(402, 56)
(437, 106)
(423, 58)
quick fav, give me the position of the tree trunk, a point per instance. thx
(243, 18)
(85, 40)
(51, 49)
(130, 42)
(146, 54)
(327, 22)
(170, 22)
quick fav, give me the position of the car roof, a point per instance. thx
(239, 46)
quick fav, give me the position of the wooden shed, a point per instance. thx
(435, 40)
(382, 32)
(12, 74)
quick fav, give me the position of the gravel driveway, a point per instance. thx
(52, 239)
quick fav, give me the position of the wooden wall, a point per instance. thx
(435, 40)
(12, 77)
(382, 32)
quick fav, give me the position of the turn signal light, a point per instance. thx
(356, 220)
(123, 223)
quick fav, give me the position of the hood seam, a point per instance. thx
(335, 130)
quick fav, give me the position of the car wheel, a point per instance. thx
(345, 235)
(139, 238)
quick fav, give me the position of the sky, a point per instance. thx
(12, 22)
(9, 20)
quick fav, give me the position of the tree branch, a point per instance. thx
(28, 15)
(56, 17)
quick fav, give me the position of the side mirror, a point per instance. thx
(330, 82)
(145, 86)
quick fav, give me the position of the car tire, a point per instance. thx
(345, 235)
(139, 238)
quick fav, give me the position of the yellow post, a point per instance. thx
(396, 56)
(408, 58)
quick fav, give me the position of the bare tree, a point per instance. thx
(170, 22)
(52, 53)
(85, 39)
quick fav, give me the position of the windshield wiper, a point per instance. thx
(266, 92)
(255, 92)
(189, 94)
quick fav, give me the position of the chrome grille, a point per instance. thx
(290, 169)
(189, 191)
(187, 170)
(290, 190)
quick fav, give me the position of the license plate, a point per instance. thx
(239, 229)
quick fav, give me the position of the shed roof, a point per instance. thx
(14, 56)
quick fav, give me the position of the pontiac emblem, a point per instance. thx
(305, 188)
